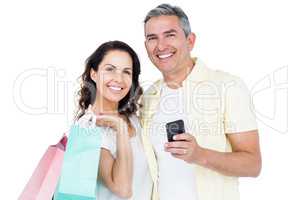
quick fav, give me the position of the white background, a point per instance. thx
(43, 46)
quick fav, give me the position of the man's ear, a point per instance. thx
(93, 75)
(191, 40)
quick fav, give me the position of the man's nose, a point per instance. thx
(161, 45)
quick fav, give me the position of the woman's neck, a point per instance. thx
(102, 106)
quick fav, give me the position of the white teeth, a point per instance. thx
(115, 88)
(165, 55)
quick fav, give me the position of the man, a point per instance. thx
(220, 142)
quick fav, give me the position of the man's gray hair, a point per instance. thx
(167, 9)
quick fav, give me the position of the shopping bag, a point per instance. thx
(43, 181)
(78, 179)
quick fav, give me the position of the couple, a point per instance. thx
(137, 162)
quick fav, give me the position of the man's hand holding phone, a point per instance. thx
(180, 144)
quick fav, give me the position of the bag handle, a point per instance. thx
(62, 142)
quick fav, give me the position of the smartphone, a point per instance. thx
(174, 128)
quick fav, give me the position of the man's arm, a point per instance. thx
(243, 161)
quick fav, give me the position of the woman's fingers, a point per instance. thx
(114, 122)
(105, 122)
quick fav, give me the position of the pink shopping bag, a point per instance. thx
(44, 179)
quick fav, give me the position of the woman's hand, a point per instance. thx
(112, 121)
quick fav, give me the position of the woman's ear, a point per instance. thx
(93, 75)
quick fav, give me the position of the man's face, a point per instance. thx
(167, 46)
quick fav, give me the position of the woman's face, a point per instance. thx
(114, 76)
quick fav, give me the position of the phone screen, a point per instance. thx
(174, 128)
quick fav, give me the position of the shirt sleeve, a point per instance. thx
(238, 113)
(109, 141)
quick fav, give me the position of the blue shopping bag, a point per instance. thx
(78, 180)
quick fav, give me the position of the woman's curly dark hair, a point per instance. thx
(87, 93)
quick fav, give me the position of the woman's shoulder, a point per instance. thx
(87, 120)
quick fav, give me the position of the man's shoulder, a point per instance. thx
(204, 73)
(150, 93)
(223, 79)
(220, 76)
(153, 88)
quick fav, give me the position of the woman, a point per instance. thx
(110, 90)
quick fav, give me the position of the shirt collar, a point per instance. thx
(198, 73)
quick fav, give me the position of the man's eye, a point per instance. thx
(151, 38)
(170, 35)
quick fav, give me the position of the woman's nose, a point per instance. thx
(118, 76)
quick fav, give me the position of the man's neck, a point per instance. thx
(174, 80)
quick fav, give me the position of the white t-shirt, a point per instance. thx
(176, 178)
(142, 182)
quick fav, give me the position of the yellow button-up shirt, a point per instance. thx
(216, 103)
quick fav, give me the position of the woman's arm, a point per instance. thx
(116, 173)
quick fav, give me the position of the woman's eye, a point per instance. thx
(127, 72)
(109, 69)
